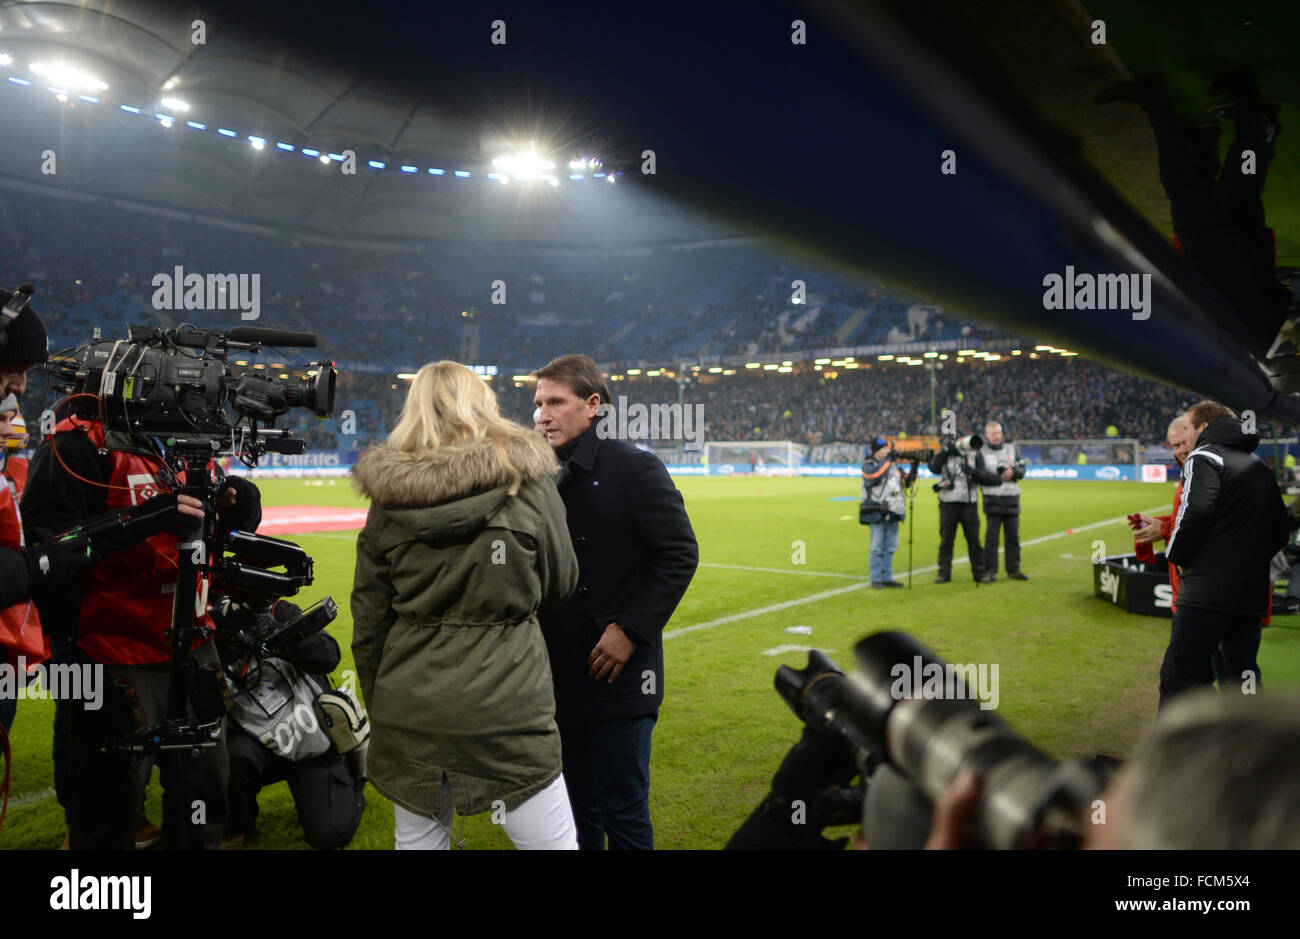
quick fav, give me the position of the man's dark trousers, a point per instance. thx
(607, 772)
(967, 515)
(1011, 523)
(1204, 645)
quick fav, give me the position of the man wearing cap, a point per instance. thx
(883, 507)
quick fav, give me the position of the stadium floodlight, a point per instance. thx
(502, 178)
(654, 373)
(125, 107)
(943, 358)
(90, 99)
(634, 371)
(324, 159)
(881, 358)
(1068, 354)
(311, 153)
(285, 146)
(196, 125)
(408, 376)
(965, 351)
(6, 59)
(375, 164)
(257, 142)
(784, 369)
(753, 365)
(175, 104)
(166, 120)
(715, 370)
(18, 81)
(821, 361)
(1015, 351)
(462, 174)
(337, 157)
(931, 355)
(434, 171)
(730, 371)
(224, 132)
(609, 178)
(576, 176)
(787, 362)
(850, 364)
(527, 165)
(770, 367)
(407, 168)
(170, 83)
(68, 76)
(1042, 348)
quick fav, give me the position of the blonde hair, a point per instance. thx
(448, 405)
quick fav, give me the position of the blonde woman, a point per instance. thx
(464, 540)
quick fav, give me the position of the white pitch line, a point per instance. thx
(827, 594)
(31, 798)
(783, 570)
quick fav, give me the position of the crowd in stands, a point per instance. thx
(393, 307)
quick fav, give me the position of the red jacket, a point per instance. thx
(20, 624)
(126, 599)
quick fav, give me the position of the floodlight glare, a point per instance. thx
(175, 104)
(67, 76)
(6, 59)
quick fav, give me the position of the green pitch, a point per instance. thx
(1076, 675)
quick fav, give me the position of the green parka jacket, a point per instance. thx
(451, 570)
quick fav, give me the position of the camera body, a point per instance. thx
(151, 384)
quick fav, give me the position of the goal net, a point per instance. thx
(761, 457)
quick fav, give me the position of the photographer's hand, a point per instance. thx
(610, 654)
(952, 813)
(1006, 474)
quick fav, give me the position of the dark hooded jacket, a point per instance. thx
(451, 570)
(1230, 524)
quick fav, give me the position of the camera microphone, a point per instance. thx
(273, 337)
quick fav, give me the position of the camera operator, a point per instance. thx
(118, 610)
(958, 473)
(883, 507)
(327, 792)
(1001, 501)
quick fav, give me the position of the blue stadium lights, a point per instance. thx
(434, 171)
(57, 91)
(18, 81)
(337, 157)
(166, 120)
(310, 153)
(499, 177)
(376, 165)
(463, 174)
(257, 142)
(129, 109)
(196, 125)
(406, 168)
(90, 99)
(576, 176)
(285, 146)
(597, 175)
(226, 133)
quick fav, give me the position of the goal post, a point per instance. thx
(756, 457)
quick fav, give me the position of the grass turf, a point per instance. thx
(1076, 675)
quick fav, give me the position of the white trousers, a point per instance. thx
(542, 823)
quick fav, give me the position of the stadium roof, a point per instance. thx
(240, 86)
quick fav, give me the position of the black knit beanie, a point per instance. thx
(24, 339)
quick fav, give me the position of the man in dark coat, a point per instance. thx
(1230, 524)
(636, 556)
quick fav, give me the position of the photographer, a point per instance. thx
(997, 459)
(956, 467)
(883, 507)
(118, 610)
(327, 793)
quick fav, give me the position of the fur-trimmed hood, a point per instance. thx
(394, 479)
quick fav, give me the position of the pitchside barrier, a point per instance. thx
(1134, 586)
